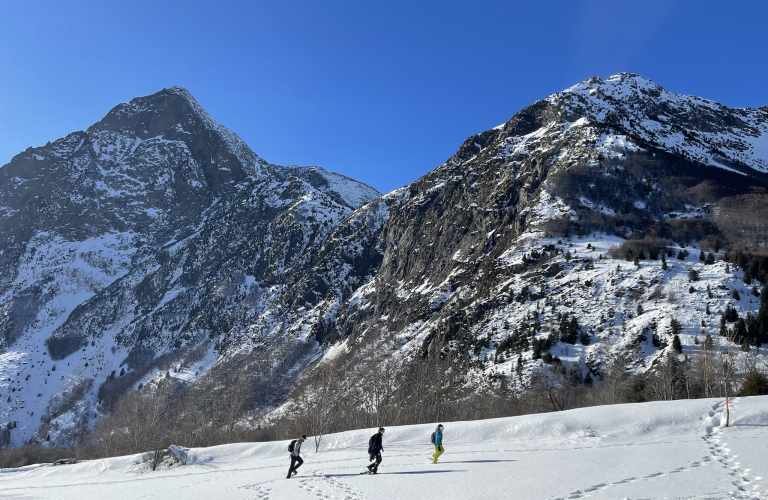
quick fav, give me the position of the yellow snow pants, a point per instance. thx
(438, 452)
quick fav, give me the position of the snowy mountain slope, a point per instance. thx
(342, 189)
(152, 232)
(477, 259)
(650, 450)
(698, 129)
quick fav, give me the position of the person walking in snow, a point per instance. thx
(295, 449)
(375, 447)
(437, 440)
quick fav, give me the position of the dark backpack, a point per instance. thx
(432, 439)
(372, 445)
(291, 446)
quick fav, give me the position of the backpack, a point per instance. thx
(372, 445)
(432, 439)
(291, 446)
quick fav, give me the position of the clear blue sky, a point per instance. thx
(380, 91)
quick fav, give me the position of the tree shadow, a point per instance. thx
(392, 473)
(474, 461)
(422, 472)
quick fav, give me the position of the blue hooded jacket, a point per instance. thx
(438, 437)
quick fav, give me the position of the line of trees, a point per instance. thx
(371, 390)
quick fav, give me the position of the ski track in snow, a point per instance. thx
(720, 451)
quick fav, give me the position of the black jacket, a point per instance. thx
(375, 444)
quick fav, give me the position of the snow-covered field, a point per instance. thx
(678, 449)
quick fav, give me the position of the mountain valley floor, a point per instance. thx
(678, 449)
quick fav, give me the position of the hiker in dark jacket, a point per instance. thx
(296, 460)
(375, 447)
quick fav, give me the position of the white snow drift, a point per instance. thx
(678, 449)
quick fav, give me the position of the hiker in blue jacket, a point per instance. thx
(437, 440)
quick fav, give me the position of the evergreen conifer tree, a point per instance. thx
(709, 343)
(745, 346)
(747, 277)
(675, 326)
(755, 384)
(762, 317)
(677, 345)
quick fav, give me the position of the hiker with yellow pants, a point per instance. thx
(437, 440)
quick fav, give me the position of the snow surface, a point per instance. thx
(679, 449)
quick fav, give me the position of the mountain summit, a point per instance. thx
(699, 129)
(175, 114)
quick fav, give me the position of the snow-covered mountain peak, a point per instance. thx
(699, 129)
(235, 143)
(342, 189)
(617, 80)
(175, 114)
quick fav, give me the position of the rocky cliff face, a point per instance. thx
(157, 236)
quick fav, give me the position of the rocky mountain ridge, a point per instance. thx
(189, 249)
